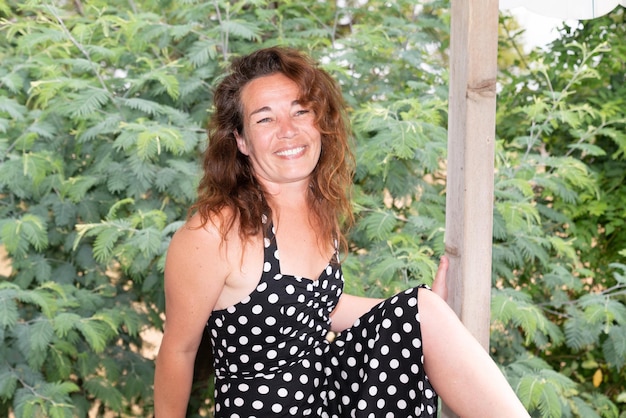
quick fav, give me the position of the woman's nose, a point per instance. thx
(287, 128)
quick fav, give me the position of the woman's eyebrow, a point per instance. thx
(268, 108)
(259, 110)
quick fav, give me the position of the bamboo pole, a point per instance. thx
(471, 137)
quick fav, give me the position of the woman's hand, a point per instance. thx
(440, 286)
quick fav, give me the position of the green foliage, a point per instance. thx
(558, 249)
(103, 107)
(102, 123)
(102, 114)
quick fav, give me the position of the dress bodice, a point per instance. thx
(283, 320)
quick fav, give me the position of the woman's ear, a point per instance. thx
(242, 144)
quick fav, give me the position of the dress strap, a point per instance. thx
(271, 263)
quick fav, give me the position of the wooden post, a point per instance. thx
(470, 176)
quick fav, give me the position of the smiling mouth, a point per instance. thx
(290, 152)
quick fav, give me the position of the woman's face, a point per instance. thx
(279, 134)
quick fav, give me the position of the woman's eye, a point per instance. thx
(264, 120)
(302, 112)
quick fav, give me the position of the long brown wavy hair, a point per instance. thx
(229, 181)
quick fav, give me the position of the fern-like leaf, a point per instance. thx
(147, 106)
(578, 333)
(75, 188)
(202, 51)
(89, 101)
(8, 308)
(105, 243)
(96, 334)
(8, 381)
(379, 225)
(12, 108)
(241, 28)
(614, 348)
(64, 323)
(40, 334)
(508, 305)
(103, 390)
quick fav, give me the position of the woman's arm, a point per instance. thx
(350, 308)
(460, 370)
(194, 277)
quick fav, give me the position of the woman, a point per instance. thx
(257, 266)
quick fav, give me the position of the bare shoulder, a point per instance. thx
(196, 247)
(197, 264)
(194, 233)
(195, 272)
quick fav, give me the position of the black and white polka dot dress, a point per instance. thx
(272, 357)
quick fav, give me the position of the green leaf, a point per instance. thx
(64, 322)
(105, 391)
(385, 269)
(76, 188)
(508, 305)
(614, 348)
(167, 81)
(543, 390)
(588, 149)
(148, 241)
(88, 102)
(578, 333)
(41, 268)
(61, 355)
(8, 382)
(379, 224)
(12, 108)
(105, 243)
(203, 51)
(583, 409)
(37, 166)
(242, 29)
(619, 277)
(41, 333)
(109, 125)
(96, 333)
(8, 308)
(147, 106)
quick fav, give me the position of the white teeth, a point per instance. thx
(290, 152)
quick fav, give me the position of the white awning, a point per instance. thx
(565, 9)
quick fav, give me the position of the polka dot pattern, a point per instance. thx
(273, 357)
